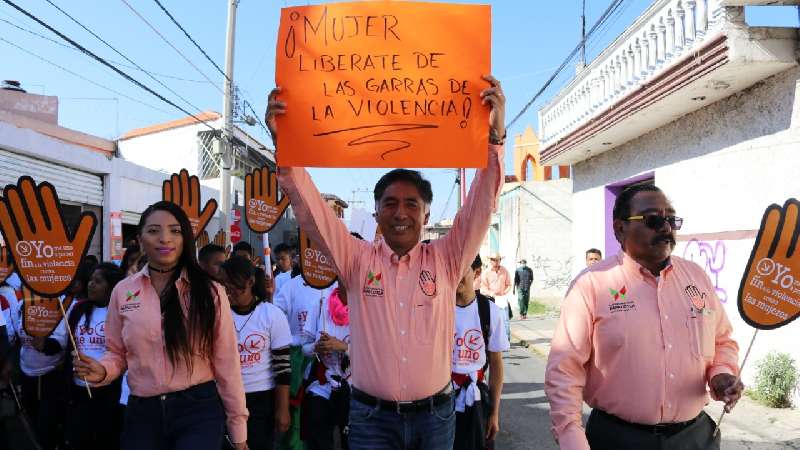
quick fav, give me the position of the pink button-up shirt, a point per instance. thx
(640, 348)
(401, 308)
(495, 283)
(135, 340)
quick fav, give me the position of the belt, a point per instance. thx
(667, 429)
(424, 404)
(190, 390)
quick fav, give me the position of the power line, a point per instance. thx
(611, 7)
(121, 54)
(82, 77)
(127, 66)
(186, 33)
(105, 63)
(170, 44)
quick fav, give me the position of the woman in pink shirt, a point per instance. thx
(171, 327)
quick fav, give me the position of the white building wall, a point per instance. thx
(721, 167)
(536, 225)
(167, 151)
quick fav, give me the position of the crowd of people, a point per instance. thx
(184, 348)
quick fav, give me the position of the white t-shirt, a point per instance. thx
(33, 362)
(301, 304)
(281, 279)
(333, 361)
(91, 338)
(8, 302)
(469, 351)
(262, 330)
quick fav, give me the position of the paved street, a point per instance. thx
(525, 423)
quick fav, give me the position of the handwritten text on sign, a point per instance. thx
(383, 84)
(769, 296)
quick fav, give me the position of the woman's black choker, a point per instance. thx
(163, 270)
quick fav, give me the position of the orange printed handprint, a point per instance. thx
(6, 265)
(263, 210)
(769, 296)
(184, 190)
(315, 266)
(45, 254)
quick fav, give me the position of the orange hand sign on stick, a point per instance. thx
(315, 266)
(263, 210)
(219, 238)
(41, 315)
(184, 190)
(6, 265)
(769, 296)
(44, 253)
(202, 240)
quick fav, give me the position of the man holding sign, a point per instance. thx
(642, 336)
(402, 322)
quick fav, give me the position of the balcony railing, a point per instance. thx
(665, 33)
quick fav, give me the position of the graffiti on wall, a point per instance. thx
(711, 257)
(551, 273)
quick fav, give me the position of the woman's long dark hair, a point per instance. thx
(113, 275)
(184, 335)
(239, 269)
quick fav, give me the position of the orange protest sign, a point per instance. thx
(202, 240)
(316, 267)
(6, 265)
(219, 238)
(769, 296)
(44, 251)
(41, 315)
(262, 208)
(184, 190)
(383, 84)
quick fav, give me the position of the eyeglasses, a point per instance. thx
(657, 222)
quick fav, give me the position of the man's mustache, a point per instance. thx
(664, 237)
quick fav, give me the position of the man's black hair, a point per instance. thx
(595, 251)
(477, 263)
(413, 177)
(243, 245)
(622, 206)
(282, 247)
(209, 249)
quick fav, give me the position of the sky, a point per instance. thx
(530, 39)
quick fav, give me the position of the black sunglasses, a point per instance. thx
(657, 222)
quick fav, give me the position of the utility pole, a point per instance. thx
(227, 127)
(582, 61)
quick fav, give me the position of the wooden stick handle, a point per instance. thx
(72, 339)
(738, 378)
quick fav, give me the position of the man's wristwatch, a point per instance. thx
(494, 139)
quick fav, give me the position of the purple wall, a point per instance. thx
(612, 190)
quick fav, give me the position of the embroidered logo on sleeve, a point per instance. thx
(427, 282)
(619, 301)
(373, 285)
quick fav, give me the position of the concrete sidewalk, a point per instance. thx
(751, 426)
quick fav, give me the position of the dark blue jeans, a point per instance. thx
(375, 429)
(192, 419)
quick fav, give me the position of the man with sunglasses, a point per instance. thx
(642, 339)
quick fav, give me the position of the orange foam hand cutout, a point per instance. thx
(6, 264)
(219, 238)
(43, 250)
(383, 84)
(202, 240)
(184, 190)
(41, 315)
(316, 266)
(769, 296)
(262, 207)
